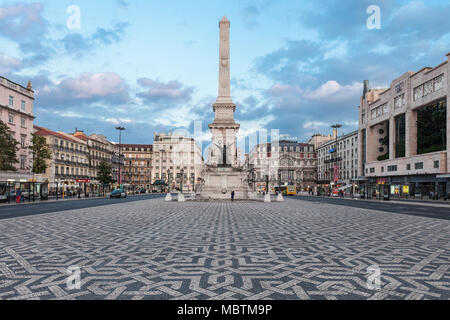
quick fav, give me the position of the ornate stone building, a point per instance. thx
(286, 163)
(176, 156)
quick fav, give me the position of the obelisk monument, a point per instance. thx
(222, 174)
(224, 128)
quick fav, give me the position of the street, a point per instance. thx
(23, 210)
(305, 248)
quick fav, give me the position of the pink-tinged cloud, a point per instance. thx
(8, 64)
(172, 91)
(88, 88)
(22, 20)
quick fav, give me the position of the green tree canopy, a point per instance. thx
(104, 173)
(8, 149)
(41, 153)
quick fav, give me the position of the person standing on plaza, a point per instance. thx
(232, 196)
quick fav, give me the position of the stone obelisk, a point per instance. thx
(224, 128)
(223, 174)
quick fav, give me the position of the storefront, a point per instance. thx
(29, 191)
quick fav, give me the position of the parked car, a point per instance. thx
(118, 193)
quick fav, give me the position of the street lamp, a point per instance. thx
(336, 127)
(181, 179)
(168, 179)
(120, 153)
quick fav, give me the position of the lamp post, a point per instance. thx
(181, 179)
(120, 153)
(168, 179)
(336, 127)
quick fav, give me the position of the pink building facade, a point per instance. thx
(16, 110)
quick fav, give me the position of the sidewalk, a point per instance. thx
(53, 200)
(430, 203)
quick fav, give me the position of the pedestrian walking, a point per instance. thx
(18, 195)
(232, 196)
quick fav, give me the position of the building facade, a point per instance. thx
(404, 136)
(337, 165)
(16, 110)
(69, 165)
(286, 163)
(177, 160)
(138, 164)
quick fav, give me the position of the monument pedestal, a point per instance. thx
(219, 182)
(168, 197)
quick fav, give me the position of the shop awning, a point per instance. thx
(345, 187)
(361, 179)
(443, 176)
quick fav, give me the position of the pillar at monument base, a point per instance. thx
(168, 197)
(280, 198)
(267, 198)
(181, 197)
(220, 182)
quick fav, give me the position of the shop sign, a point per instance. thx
(406, 189)
(381, 181)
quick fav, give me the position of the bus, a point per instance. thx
(291, 190)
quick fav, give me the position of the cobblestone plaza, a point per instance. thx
(221, 250)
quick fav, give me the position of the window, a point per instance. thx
(392, 168)
(23, 122)
(418, 93)
(428, 88)
(399, 101)
(439, 82)
(372, 170)
(22, 106)
(408, 167)
(11, 101)
(399, 88)
(22, 141)
(11, 119)
(436, 164)
(23, 160)
(418, 165)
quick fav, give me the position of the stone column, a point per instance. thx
(392, 131)
(224, 61)
(411, 133)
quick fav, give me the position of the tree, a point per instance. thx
(8, 149)
(104, 173)
(41, 153)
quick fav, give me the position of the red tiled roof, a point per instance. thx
(47, 132)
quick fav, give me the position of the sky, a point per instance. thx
(152, 66)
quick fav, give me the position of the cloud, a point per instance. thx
(333, 91)
(159, 92)
(77, 44)
(25, 25)
(88, 88)
(8, 63)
